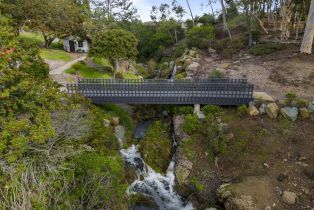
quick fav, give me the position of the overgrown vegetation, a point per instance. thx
(200, 37)
(266, 48)
(86, 71)
(156, 146)
(52, 145)
(190, 125)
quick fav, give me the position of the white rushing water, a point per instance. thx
(153, 184)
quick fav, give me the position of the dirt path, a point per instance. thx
(61, 69)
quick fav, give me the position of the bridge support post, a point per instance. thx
(197, 108)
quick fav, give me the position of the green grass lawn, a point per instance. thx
(53, 54)
(87, 72)
(34, 38)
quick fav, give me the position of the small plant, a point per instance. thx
(290, 97)
(190, 124)
(216, 74)
(200, 37)
(183, 110)
(266, 48)
(197, 184)
(212, 110)
(181, 75)
(242, 110)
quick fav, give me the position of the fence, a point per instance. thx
(216, 91)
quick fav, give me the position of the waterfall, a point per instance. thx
(153, 184)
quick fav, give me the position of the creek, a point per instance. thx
(152, 184)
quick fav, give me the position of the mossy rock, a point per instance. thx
(156, 147)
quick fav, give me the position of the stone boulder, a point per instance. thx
(262, 96)
(290, 113)
(106, 123)
(115, 121)
(252, 110)
(250, 194)
(311, 107)
(177, 127)
(272, 110)
(262, 109)
(183, 167)
(192, 68)
(289, 198)
(120, 134)
(304, 113)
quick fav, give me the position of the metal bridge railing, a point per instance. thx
(218, 91)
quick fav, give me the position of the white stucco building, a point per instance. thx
(73, 44)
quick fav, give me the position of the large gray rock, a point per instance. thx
(290, 113)
(177, 127)
(289, 197)
(192, 67)
(311, 107)
(183, 167)
(272, 110)
(252, 110)
(262, 109)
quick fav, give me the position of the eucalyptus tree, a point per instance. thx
(307, 42)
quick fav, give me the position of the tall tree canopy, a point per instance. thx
(116, 45)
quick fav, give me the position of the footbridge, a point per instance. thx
(215, 91)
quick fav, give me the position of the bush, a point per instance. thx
(228, 47)
(190, 124)
(181, 75)
(216, 74)
(200, 37)
(266, 48)
(178, 110)
(156, 147)
(212, 110)
(242, 110)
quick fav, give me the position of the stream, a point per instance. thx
(153, 184)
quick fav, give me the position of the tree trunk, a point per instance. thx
(307, 42)
(190, 11)
(48, 40)
(224, 18)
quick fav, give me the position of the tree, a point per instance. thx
(223, 9)
(116, 45)
(200, 36)
(58, 18)
(307, 42)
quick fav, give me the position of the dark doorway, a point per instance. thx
(72, 46)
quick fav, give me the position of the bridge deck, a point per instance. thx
(216, 91)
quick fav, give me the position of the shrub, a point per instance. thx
(212, 110)
(183, 110)
(266, 48)
(156, 147)
(228, 47)
(290, 97)
(216, 74)
(181, 75)
(200, 37)
(242, 110)
(190, 124)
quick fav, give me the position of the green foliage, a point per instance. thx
(156, 147)
(178, 110)
(212, 110)
(52, 141)
(207, 19)
(115, 44)
(266, 48)
(200, 37)
(103, 62)
(87, 72)
(190, 125)
(215, 135)
(229, 47)
(181, 75)
(197, 184)
(216, 74)
(52, 54)
(290, 97)
(33, 38)
(242, 110)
